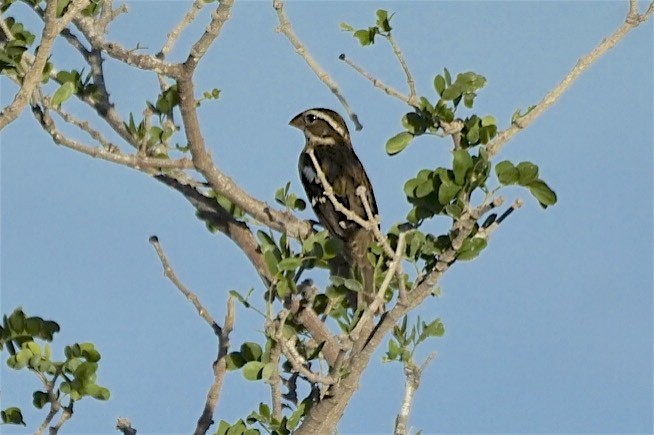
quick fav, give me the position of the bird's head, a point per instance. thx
(322, 127)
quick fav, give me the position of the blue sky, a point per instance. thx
(549, 331)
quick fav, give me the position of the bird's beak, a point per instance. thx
(297, 121)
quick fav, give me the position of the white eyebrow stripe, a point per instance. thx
(329, 120)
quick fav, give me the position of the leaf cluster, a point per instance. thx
(75, 376)
(405, 340)
(382, 27)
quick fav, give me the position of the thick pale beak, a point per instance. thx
(297, 122)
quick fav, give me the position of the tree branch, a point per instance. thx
(219, 371)
(284, 222)
(32, 78)
(375, 81)
(632, 21)
(412, 374)
(287, 30)
(209, 210)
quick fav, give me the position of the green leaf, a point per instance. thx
(251, 351)
(424, 189)
(383, 20)
(39, 399)
(451, 92)
(289, 263)
(439, 84)
(64, 92)
(488, 120)
(346, 27)
(461, 163)
(414, 123)
(398, 142)
(271, 260)
(235, 361)
(446, 192)
(528, 173)
(471, 248)
(12, 415)
(364, 37)
(542, 192)
(448, 77)
(434, 329)
(252, 370)
(268, 370)
(506, 172)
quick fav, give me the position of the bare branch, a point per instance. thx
(129, 57)
(218, 19)
(220, 364)
(219, 370)
(55, 405)
(275, 382)
(383, 241)
(66, 414)
(632, 21)
(287, 30)
(412, 374)
(375, 81)
(413, 99)
(192, 297)
(125, 426)
(188, 18)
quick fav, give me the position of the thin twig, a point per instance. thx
(413, 99)
(356, 334)
(66, 414)
(55, 405)
(192, 297)
(219, 370)
(375, 81)
(125, 426)
(329, 192)
(631, 22)
(298, 362)
(412, 375)
(287, 30)
(147, 164)
(218, 19)
(383, 241)
(275, 382)
(173, 36)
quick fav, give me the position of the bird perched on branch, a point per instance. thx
(328, 137)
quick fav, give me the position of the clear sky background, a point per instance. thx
(549, 331)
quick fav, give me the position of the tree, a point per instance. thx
(226, 207)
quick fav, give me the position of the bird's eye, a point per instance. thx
(311, 118)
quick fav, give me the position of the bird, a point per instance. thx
(327, 135)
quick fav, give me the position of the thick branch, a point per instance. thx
(221, 183)
(209, 210)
